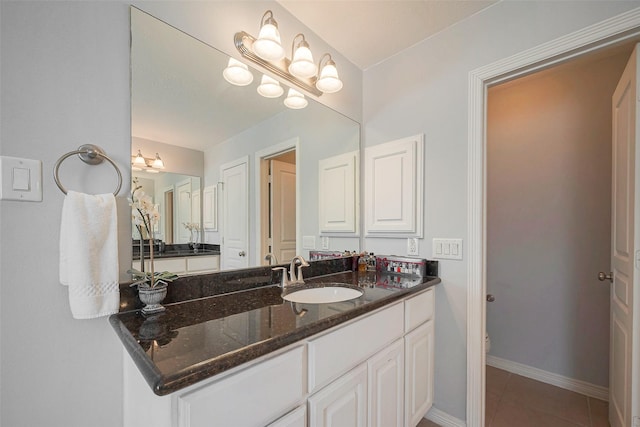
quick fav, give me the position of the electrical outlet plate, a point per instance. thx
(324, 242)
(447, 249)
(412, 246)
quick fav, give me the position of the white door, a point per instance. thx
(184, 211)
(625, 235)
(235, 215)
(283, 210)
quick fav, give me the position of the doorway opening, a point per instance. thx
(610, 32)
(168, 216)
(278, 207)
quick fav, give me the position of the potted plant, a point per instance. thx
(152, 286)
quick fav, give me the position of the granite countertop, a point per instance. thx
(197, 339)
(177, 251)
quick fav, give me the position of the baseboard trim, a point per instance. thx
(444, 419)
(557, 380)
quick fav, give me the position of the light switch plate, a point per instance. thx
(20, 179)
(447, 249)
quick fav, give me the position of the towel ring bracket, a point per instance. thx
(92, 155)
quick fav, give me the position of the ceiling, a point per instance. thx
(367, 32)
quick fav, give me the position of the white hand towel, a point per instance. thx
(89, 254)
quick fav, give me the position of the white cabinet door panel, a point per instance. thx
(386, 386)
(419, 354)
(295, 418)
(342, 403)
(338, 192)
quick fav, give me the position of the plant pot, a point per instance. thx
(152, 297)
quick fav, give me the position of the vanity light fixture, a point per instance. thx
(295, 100)
(270, 87)
(302, 64)
(139, 163)
(268, 46)
(301, 71)
(237, 73)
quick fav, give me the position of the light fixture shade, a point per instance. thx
(157, 162)
(329, 82)
(237, 73)
(302, 64)
(139, 160)
(270, 87)
(267, 46)
(295, 100)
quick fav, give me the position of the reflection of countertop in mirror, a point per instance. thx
(178, 251)
(197, 339)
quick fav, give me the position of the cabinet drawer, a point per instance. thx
(203, 263)
(173, 265)
(253, 397)
(339, 351)
(418, 310)
(295, 418)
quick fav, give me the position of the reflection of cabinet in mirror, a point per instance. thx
(338, 193)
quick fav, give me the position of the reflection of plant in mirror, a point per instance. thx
(144, 213)
(194, 231)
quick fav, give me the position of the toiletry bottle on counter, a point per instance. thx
(371, 262)
(362, 262)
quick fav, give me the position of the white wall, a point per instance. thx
(424, 89)
(180, 160)
(549, 218)
(321, 133)
(65, 82)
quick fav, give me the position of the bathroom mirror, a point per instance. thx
(233, 139)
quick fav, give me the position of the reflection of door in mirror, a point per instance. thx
(168, 215)
(278, 222)
(235, 214)
(184, 211)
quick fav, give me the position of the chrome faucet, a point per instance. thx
(293, 278)
(296, 277)
(271, 258)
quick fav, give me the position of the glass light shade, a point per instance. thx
(267, 46)
(237, 73)
(139, 160)
(158, 163)
(269, 87)
(302, 64)
(295, 100)
(329, 82)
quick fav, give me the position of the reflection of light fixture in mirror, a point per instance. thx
(328, 81)
(295, 100)
(237, 73)
(300, 71)
(139, 163)
(267, 46)
(269, 87)
(157, 162)
(302, 64)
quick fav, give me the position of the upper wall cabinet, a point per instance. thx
(210, 208)
(338, 190)
(393, 188)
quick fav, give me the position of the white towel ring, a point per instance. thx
(92, 155)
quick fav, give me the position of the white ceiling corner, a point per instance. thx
(367, 32)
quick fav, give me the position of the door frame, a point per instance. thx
(292, 144)
(600, 35)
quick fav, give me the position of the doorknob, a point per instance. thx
(602, 276)
(241, 253)
(490, 298)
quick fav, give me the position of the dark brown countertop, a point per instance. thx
(195, 340)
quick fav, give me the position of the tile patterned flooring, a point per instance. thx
(513, 400)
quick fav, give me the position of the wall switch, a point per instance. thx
(20, 179)
(412, 246)
(447, 249)
(324, 242)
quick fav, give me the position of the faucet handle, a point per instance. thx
(283, 281)
(300, 279)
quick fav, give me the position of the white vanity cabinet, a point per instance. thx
(183, 266)
(373, 371)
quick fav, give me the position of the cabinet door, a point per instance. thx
(210, 208)
(419, 373)
(295, 418)
(386, 386)
(342, 403)
(338, 191)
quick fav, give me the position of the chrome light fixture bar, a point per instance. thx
(151, 165)
(244, 43)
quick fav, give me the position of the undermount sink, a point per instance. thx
(322, 295)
